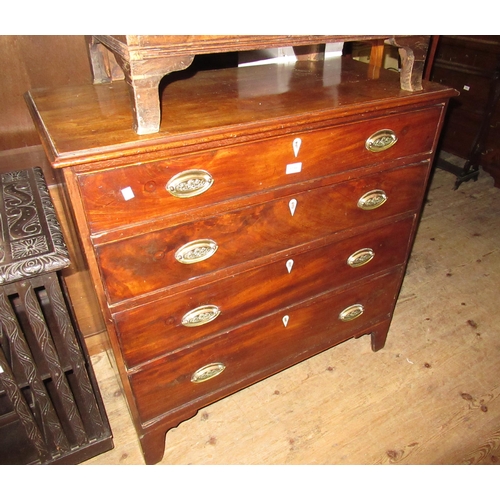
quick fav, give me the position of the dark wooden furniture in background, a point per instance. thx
(50, 407)
(471, 64)
(269, 219)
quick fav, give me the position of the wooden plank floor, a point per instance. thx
(431, 396)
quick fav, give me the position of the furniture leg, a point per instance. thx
(143, 77)
(103, 63)
(376, 59)
(379, 336)
(413, 53)
(153, 439)
(310, 52)
(153, 445)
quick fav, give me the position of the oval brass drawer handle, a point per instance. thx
(372, 199)
(196, 251)
(200, 316)
(361, 257)
(381, 140)
(207, 372)
(189, 183)
(351, 312)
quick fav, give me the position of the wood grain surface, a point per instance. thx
(431, 396)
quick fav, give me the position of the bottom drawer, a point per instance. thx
(261, 348)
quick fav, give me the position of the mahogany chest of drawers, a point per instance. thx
(271, 218)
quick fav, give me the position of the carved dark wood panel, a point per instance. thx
(31, 241)
(49, 403)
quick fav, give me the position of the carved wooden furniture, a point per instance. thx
(271, 218)
(50, 407)
(471, 64)
(143, 60)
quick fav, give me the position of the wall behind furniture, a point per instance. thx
(29, 62)
(35, 61)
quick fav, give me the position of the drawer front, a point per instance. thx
(148, 262)
(260, 348)
(180, 320)
(131, 195)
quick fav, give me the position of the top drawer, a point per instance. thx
(117, 198)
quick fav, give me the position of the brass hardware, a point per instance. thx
(189, 183)
(372, 199)
(381, 140)
(196, 251)
(207, 372)
(351, 312)
(361, 257)
(200, 315)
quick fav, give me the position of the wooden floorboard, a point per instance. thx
(431, 396)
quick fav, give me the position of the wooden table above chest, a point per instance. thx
(143, 60)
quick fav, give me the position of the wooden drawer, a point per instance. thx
(157, 328)
(260, 348)
(147, 262)
(131, 195)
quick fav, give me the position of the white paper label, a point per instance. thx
(127, 193)
(294, 168)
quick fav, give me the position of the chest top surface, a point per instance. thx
(216, 107)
